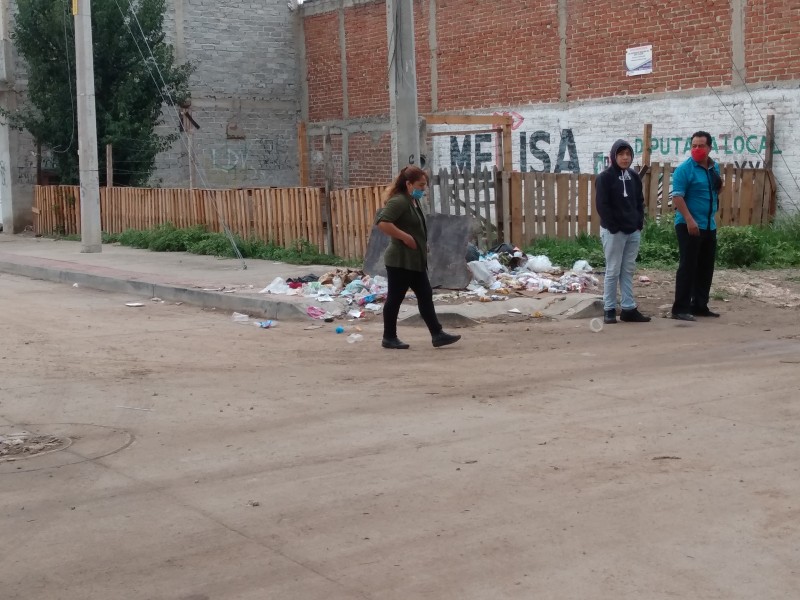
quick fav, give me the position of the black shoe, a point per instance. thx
(633, 316)
(444, 339)
(704, 312)
(609, 316)
(683, 317)
(394, 344)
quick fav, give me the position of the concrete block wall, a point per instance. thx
(558, 66)
(245, 93)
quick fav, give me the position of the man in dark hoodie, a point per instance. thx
(620, 204)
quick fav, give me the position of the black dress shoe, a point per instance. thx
(683, 317)
(633, 316)
(444, 339)
(704, 313)
(394, 344)
(609, 316)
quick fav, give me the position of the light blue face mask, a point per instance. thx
(417, 194)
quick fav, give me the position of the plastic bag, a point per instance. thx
(278, 286)
(480, 272)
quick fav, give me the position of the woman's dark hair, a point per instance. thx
(705, 134)
(409, 174)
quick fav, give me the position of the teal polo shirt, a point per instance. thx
(693, 182)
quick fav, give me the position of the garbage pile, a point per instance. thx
(351, 286)
(496, 275)
(506, 269)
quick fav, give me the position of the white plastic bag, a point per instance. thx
(539, 264)
(480, 272)
(278, 286)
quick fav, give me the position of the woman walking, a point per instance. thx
(406, 258)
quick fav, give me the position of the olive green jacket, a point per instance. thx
(405, 213)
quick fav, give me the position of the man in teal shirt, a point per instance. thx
(695, 195)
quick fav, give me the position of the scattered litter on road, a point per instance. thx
(354, 337)
(240, 318)
(644, 279)
(254, 503)
(515, 311)
(75, 285)
(666, 458)
(268, 324)
(596, 325)
(134, 304)
(156, 300)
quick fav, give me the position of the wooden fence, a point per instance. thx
(538, 205)
(281, 216)
(352, 215)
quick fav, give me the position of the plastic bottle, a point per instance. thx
(354, 337)
(269, 324)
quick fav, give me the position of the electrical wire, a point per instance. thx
(170, 103)
(69, 79)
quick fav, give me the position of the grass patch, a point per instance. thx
(773, 246)
(198, 240)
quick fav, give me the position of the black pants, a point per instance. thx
(696, 269)
(399, 282)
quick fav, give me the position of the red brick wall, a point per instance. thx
(772, 34)
(370, 159)
(691, 47)
(496, 53)
(367, 60)
(324, 67)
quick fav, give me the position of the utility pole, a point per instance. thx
(404, 112)
(91, 239)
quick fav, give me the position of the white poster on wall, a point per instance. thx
(639, 60)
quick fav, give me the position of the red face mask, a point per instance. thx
(699, 154)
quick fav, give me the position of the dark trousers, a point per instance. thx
(696, 269)
(399, 282)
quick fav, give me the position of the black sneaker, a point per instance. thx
(444, 339)
(394, 344)
(683, 317)
(609, 317)
(633, 316)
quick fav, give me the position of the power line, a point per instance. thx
(163, 90)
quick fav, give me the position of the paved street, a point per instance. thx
(216, 461)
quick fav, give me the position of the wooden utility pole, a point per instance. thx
(404, 113)
(87, 129)
(647, 137)
(109, 166)
(302, 153)
(768, 153)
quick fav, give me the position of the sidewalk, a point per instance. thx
(224, 284)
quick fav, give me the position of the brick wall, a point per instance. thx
(507, 57)
(324, 67)
(370, 158)
(367, 60)
(494, 53)
(691, 47)
(772, 30)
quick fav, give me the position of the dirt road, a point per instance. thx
(217, 461)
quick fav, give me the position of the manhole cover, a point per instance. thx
(54, 445)
(24, 444)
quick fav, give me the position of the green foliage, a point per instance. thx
(773, 246)
(128, 101)
(197, 240)
(738, 247)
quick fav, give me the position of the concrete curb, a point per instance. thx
(119, 281)
(269, 309)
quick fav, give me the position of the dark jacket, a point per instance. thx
(407, 215)
(618, 195)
